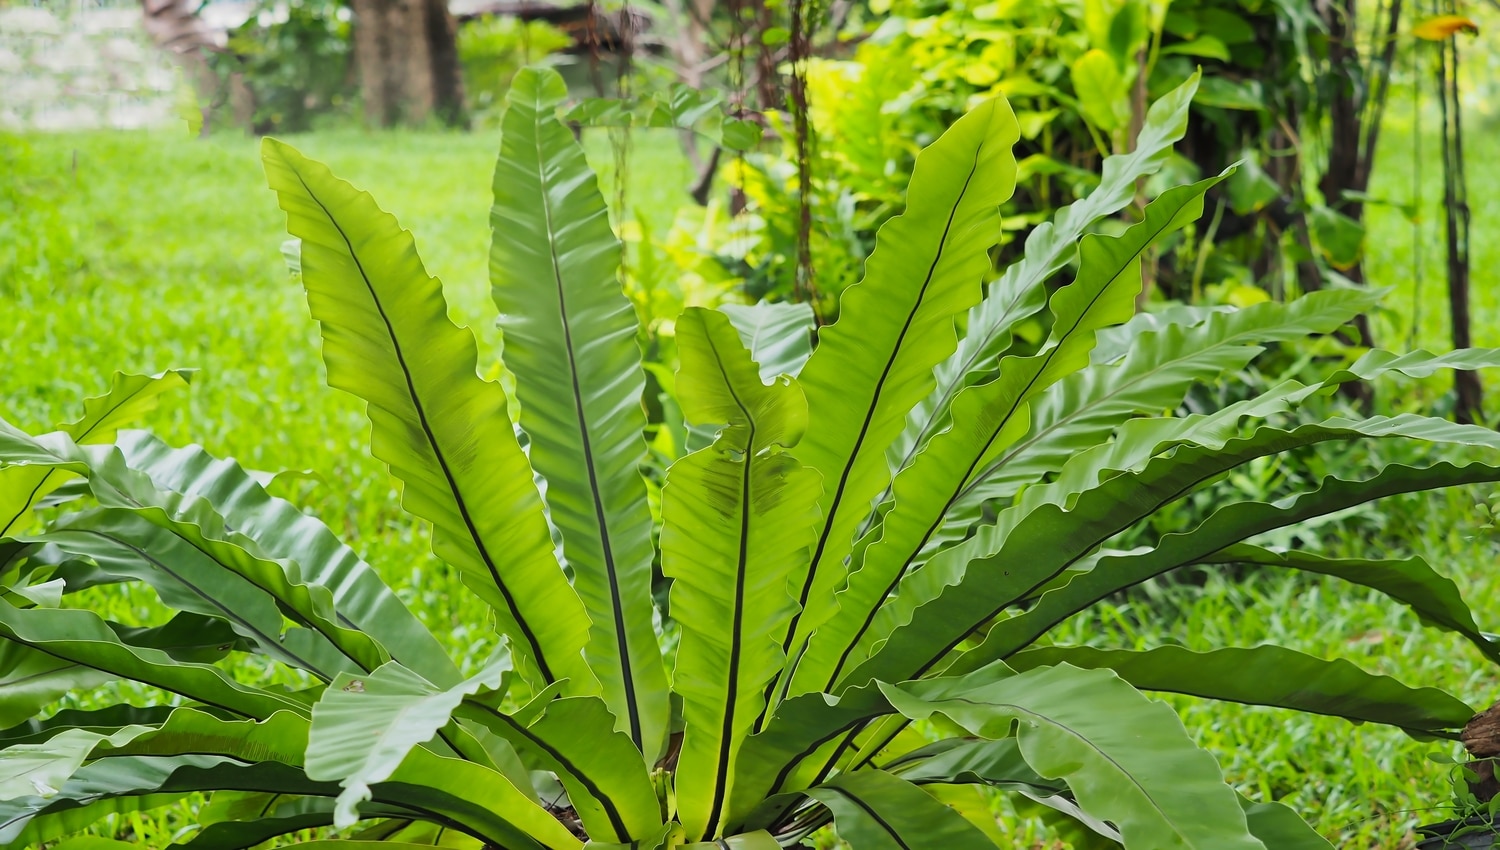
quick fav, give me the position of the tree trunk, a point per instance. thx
(1469, 406)
(407, 55)
(447, 75)
(1481, 737)
(1348, 169)
(174, 26)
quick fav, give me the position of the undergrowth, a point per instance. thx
(147, 251)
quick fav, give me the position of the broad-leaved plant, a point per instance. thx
(866, 554)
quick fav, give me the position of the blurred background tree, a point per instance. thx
(1294, 91)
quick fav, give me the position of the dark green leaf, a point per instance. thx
(1410, 581)
(1127, 759)
(1268, 675)
(874, 810)
(360, 598)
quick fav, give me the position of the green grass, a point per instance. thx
(146, 252)
(142, 252)
(1410, 255)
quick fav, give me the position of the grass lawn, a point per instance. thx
(142, 252)
(1409, 171)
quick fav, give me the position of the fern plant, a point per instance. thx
(882, 530)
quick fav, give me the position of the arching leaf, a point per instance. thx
(187, 578)
(996, 764)
(1410, 581)
(31, 679)
(360, 598)
(84, 638)
(129, 398)
(1230, 524)
(184, 549)
(1156, 372)
(987, 419)
(137, 783)
(235, 820)
(1277, 826)
(1006, 562)
(1019, 293)
(1127, 759)
(1268, 675)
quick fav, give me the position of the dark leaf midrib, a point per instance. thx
(25, 506)
(1179, 493)
(835, 504)
(627, 668)
(616, 820)
(427, 431)
(1186, 689)
(953, 497)
(128, 648)
(267, 641)
(1236, 340)
(874, 815)
(1042, 629)
(732, 693)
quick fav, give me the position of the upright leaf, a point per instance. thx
(989, 418)
(895, 325)
(482, 799)
(758, 840)
(1019, 292)
(444, 431)
(570, 341)
(739, 518)
(605, 777)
